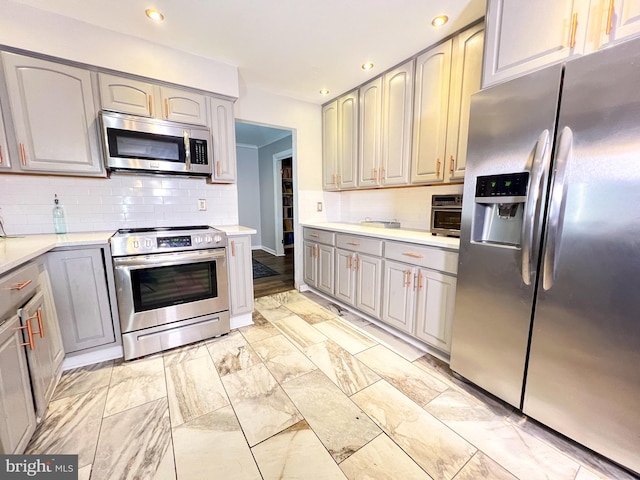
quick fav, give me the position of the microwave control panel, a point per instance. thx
(199, 152)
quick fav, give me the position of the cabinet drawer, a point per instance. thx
(372, 246)
(321, 236)
(428, 257)
(17, 287)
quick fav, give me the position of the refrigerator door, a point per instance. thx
(584, 368)
(511, 129)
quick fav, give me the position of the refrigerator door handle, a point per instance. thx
(532, 206)
(556, 208)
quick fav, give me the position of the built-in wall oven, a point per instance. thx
(171, 285)
(446, 215)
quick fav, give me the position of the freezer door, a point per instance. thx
(510, 131)
(584, 368)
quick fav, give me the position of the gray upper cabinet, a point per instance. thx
(223, 133)
(5, 162)
(397, 87)
(17, 415)
(526, 36)
(240, 275)
(619, 21)
(370, 131)
(125, 95)
(79, 284)
(54, 116)
(340, 142)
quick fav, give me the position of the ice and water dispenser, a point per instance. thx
(499, 209)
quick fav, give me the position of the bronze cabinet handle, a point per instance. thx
(29, 342)
(574, 29)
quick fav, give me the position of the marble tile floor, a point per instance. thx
(310, 391)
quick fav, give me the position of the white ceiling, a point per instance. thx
(288, 47)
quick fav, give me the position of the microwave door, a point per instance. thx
(133, 145)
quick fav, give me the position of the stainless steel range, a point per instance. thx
(172, 287)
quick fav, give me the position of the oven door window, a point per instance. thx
(448, 219)
(145, 146)
(160, 287)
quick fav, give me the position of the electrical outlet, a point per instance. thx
(319, 206)
(202, 204)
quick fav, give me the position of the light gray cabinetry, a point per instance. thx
(446, 77)
(340, 142)
(619, 20)
(54, 117)
(345, 277)
(318, 258)
(240, 275)
(126, 95)
(81, 295)
(5, 161)
(398, 302)
(223, 132)
(17, 415)
(435, 302)
(369, 134)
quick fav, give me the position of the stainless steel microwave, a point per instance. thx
(446, 214)
(140, 144)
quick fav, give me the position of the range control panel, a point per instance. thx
(505, 185)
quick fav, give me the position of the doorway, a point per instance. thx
(267, 202)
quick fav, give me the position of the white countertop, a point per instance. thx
(235, 230)
(20, 249)
(413, 236)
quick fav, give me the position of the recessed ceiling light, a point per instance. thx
(154, 14)
(367, 66)
(324, 91)
(439, 20)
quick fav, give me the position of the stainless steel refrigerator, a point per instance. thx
(547, 313)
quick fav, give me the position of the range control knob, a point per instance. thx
(217, 238)
(135, 244)
(208, 238)
(148, 243)
(197, 239)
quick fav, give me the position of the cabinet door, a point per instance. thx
(370, 141)
(51, 323)
(325, 275)
(125, 95)
(396, 125)
(434, 309)
(17, 416)
(368, 284)
(347, 140)
(182, 106)
(345, 283)
(240, 275)
(621, 22)
(397, 305)
(54, 116)
(78, 279)
(465, 81)
(310, 264)
(223, 131)
(5, 162)
(433, 77)
(40, 357)
(330, 146)
(526, 36)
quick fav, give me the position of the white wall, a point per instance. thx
(249, 191)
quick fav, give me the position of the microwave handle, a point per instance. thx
(187, 151)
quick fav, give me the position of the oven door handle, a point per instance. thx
(167, 259)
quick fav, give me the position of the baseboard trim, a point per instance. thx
(271, 251)
(240, 321)
(90, 358)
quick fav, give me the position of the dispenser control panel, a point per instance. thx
(505, 185)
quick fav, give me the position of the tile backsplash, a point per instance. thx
(122, 201)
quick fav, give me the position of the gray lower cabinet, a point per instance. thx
(345, 277)
(398, 296)
(81, 295)
(318, 266)
(240, 275)
(17, 415)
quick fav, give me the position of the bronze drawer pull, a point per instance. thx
(413, 255)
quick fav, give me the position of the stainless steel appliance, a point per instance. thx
(139, 144)
(546, 313)
(446, 214)
(171, 285)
